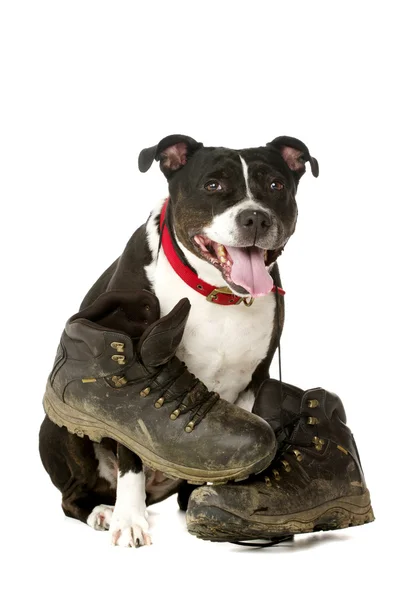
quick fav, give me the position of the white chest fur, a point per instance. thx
(222, 345)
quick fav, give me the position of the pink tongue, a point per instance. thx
(249, 270)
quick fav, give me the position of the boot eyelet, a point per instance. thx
(276, 474)
(318, 443)
(286, 466)
(159, 402)
(119, 346)
(174, 414)
(190, 427)
(313, 403)
(119, 381)
(119, 358)
(144, 393)
(268, 481)
(298, 455)
(312, 421)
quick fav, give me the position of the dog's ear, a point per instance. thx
(295, 154)
(172, 152)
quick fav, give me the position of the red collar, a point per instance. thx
(213, 294)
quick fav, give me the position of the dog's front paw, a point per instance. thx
(100, 517)
(130, 530)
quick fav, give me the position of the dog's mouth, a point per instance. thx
(245, 269)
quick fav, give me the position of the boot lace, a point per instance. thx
(193, 396)
(287, 446)
(285, 432)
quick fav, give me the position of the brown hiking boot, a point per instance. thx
(315, 482)
(124, 382)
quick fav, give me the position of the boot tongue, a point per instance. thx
(249, 270)
(268, 403)
(127, 312)
(160, 341)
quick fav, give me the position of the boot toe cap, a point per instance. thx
(215, 511)
(253, 443)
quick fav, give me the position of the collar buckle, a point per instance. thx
(213, 296)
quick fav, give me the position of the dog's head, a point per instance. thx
(235, 209)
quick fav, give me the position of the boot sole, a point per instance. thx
(218, 525)
(81, 424)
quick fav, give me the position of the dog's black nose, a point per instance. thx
(254, 219)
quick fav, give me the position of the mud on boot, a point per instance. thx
(125, 383)
(315, 482)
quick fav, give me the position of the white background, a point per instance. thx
(84, 87)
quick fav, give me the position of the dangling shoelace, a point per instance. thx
(264, 544)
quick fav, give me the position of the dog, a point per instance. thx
(215, 241)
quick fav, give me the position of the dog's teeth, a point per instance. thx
(223, 259)
(221, 250)
(265, 254)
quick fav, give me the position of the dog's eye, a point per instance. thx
(213, 186)
(277, 185)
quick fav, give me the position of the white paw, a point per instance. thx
(130, 530)
(100, 518)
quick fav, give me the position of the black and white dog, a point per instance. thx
(215, 241)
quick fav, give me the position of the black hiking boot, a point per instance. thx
(315, 482)
(125, 383)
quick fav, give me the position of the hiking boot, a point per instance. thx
(315, 482)
(117, 376)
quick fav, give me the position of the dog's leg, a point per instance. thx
(129, 526)
(73, 467)
(184, 492)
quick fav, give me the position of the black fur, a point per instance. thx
(71, 463)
